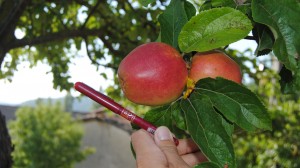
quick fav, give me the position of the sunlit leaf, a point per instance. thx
(213, 28)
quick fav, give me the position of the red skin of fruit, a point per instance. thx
(214, 64)
(153, 74)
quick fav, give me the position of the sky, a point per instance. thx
(32, 83)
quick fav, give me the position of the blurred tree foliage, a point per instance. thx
(281, 146)
(55, 30)
(47, 137)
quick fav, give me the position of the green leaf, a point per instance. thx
(171, 21)
(241, 5)
(238, 104)
(213, 28)
(222, 3)
(146, 2)
(264, 39)
(159, 37)
(164, 116)
(229, 127)
(206, 5)
(204, 125)
(189, 9)
(160, 116)
(282, 17)
(289, 83)
(178, 117)
(229, 3)
(207, 165)
(104, 75)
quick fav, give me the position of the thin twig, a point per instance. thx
(249, 38)
(90, 14)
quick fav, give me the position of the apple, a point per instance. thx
(214, 64)
(153, 74)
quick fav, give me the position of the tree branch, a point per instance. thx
(109, 46)
(88, 52)
(249, 38)
(10, 13)
(109, 65)
(83, 3)
(2, 55)
(66, 34)
(90, 14)
(61, 22)
(153, 26)
(5, 143)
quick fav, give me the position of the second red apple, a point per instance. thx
(214, 64)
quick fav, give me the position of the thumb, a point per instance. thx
(164, 140)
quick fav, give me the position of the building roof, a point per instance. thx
(8, 111)
(98, 115)
(101, 115)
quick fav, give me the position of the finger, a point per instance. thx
(164, 140)
(193, 159)
(187, 146)
(148, 155)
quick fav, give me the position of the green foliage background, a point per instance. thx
(45, 136)
(279, 147)
(110, 29)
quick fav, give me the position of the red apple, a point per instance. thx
(153, 74)
(214, 64)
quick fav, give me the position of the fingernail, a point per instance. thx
(163, 133)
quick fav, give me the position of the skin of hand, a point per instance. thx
(159, 151)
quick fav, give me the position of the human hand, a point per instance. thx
(159, 151)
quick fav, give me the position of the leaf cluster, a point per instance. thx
(217, 107)
(218, 23)
(209, 116)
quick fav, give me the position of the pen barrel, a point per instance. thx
(141, 122)
(138, 121)
(145, 125)
(116, 108)
(113, 106)
(98, 97)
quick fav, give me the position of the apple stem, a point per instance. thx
(190, 87)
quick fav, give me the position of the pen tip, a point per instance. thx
(76, 85)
